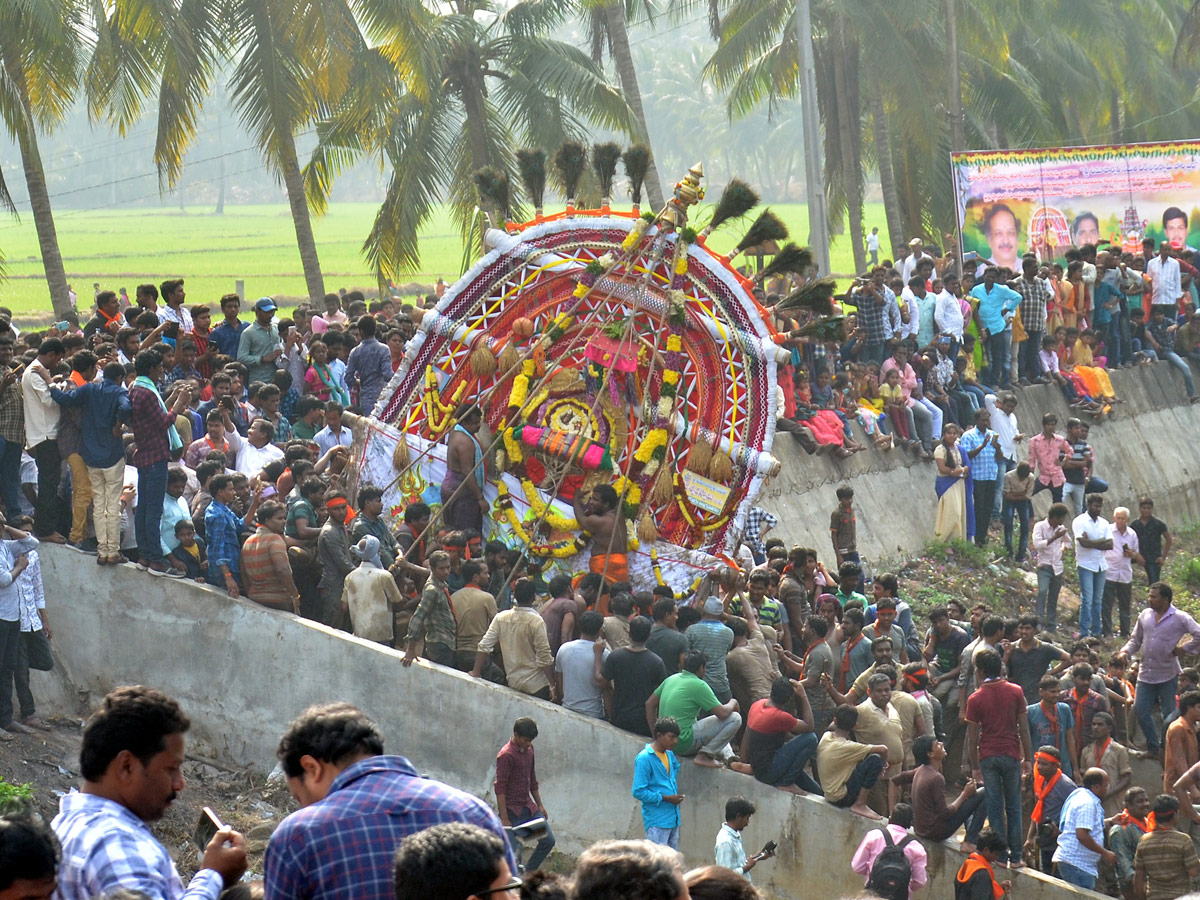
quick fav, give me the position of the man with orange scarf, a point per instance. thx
(976, 878)
(1050, 790)
(1126, 831)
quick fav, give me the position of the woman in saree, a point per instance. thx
(955, 511)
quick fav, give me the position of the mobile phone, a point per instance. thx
(206, 828)
(63, 325)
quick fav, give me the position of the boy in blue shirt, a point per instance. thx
(656, 784)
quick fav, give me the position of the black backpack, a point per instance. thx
(891, 871)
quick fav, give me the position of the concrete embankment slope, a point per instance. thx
(1149, 445)
(243, 672)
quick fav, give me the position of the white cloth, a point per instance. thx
(909, 266)
(251, 459)
(1005, 426)
(908, 303)
(1120, 566)
(1166, 280)
(369, 593)
(872, 243)
(947, 315)
(1097, 529)
(41, 412)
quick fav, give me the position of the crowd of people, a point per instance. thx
(149, 438)
(925, 341)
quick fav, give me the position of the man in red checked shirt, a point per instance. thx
(517, 797)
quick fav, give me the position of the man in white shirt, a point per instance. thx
(175, 311)
(916, 253)
(948, 317)
(1165, 277)
(1093, 536)
(1004, 423)
(577, 668)
(873, 246)
(41, 436)
(1118, 582)
(334, 433)
(1050, 537)
(258, 449)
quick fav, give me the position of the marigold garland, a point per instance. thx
(439, 415)
(559, 550)
(520, 386)
(544, 511)
(658, 576)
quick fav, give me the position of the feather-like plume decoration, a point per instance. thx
(816, 296)
(792, 259)
(637, 164)
(604, 163)
(767, 227)
(493, 188)
(737, 199)
(569, 162)
(532, 164)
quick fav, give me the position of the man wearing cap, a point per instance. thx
(259, 347)
(916, 253)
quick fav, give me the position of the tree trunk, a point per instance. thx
(954, 87)
(848, 134)
(887, 175)
(43, 216)
(294, 182)
(627, 73)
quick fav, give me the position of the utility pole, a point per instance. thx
(818, 217)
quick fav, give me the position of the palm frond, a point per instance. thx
(418, 135)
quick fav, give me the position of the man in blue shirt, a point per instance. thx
(981, 449)
(225, 336)
(133, 748)
(997, 303)
(104, 403)
(357, 805)
(370, 365)
(656, 784)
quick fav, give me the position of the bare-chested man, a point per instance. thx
(464, 466)
(600, 516)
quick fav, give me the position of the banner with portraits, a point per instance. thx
(1011, 202)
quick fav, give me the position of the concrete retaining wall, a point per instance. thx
(1156, 452)
(243, 672)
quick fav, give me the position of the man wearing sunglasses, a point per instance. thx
(454, 862)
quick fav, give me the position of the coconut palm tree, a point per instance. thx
(473, 84)
(757, 61)
(608, 20)
(41, 53)
(290, 60)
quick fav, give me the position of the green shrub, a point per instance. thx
(15, 798)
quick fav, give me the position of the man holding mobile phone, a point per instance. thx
(133, 748)
(729, 850)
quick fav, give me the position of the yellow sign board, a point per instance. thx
(705, 493)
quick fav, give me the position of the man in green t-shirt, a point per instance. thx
(310, 418)
(684, 697)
